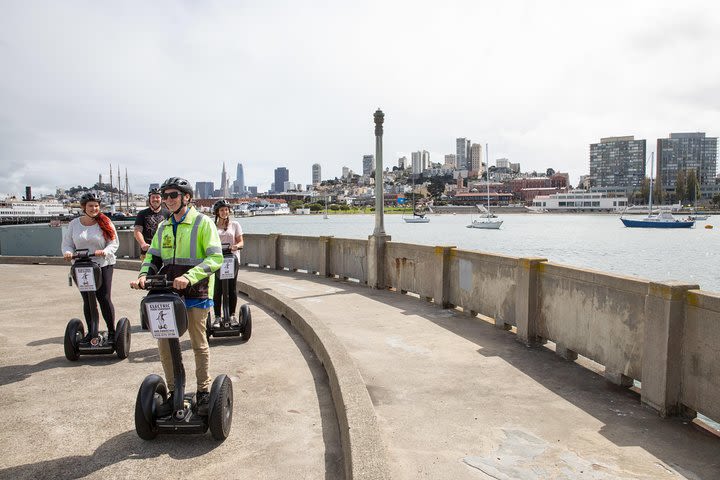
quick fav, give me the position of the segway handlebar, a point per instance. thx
(82, 253)
(157, 281)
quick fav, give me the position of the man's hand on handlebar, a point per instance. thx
(180, 283)
(67, 256)
(138, 284)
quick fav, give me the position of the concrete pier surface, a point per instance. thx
(453, 396)
(67, 419)
(457, 398)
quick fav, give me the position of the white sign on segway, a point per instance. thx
(161, 316)
(85, 279)
(227, 270)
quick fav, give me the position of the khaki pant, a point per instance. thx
(198, 340)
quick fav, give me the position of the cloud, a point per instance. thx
(178, 88)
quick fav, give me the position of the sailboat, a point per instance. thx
(416, 217)
(663, 219)
(326, 209)
(488, 220)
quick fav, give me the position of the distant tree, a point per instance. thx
(716, 200)
(295, 204)
(658, 194)
(645, 190)
(680, 193)
(692, 186)
(314, 207)
(549, 172)
(436, 187)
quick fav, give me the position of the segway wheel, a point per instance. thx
(74, 332)
(221, 407)
(246, 328)
(122, 338)
(208, 327)
(152, 393)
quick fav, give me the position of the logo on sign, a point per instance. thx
(161, 316)
(85, 279)
(227, 270)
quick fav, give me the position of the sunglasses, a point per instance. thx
(172, 195)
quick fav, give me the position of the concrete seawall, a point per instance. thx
(664, 335)
(638, 330)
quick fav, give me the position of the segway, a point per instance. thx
(226, 327)
(164, 312)
(88, 278)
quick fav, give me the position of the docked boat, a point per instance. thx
(697, 216)
(486, 223)
(270, 209)
(661, 220)
(487, 220)
(664, 219)
(18, 211)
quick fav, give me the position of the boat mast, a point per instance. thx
(487, 178)
(652, 170)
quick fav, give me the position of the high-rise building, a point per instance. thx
(502, 163)
(402, 163)
(683, 152)
(224, 183)
(450, 160)
(316, 175)
(617, 162)
(252, 190)
(425, 162)
(416, 162)
(476, 159)
(462, 150)
(239, 183)
(282, 175)
(346, 172)
(368, 164)
(204, 189)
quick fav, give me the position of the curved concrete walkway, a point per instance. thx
(75, 419)
(458, 398)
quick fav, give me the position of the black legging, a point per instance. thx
(103, 298)
(217, 294)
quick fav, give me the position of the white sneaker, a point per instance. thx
(218, 321)
(233, 320)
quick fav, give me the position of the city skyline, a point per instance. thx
(540, 83)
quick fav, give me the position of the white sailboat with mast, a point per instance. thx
(487, 220)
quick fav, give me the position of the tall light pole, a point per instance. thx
(379, 191)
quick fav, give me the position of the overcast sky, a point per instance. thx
(168, 88)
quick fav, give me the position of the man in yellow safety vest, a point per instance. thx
(187, 248)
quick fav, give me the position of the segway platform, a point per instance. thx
(165, 315)
(226, 327)
(87, 277)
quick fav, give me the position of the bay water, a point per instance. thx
(598, 242)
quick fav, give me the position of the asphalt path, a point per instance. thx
(72, 420)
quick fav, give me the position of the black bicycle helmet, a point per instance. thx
(218, 205)
(154, 191)
(88, 197)
(178, 184)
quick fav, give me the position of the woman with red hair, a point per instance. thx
(94, 231)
